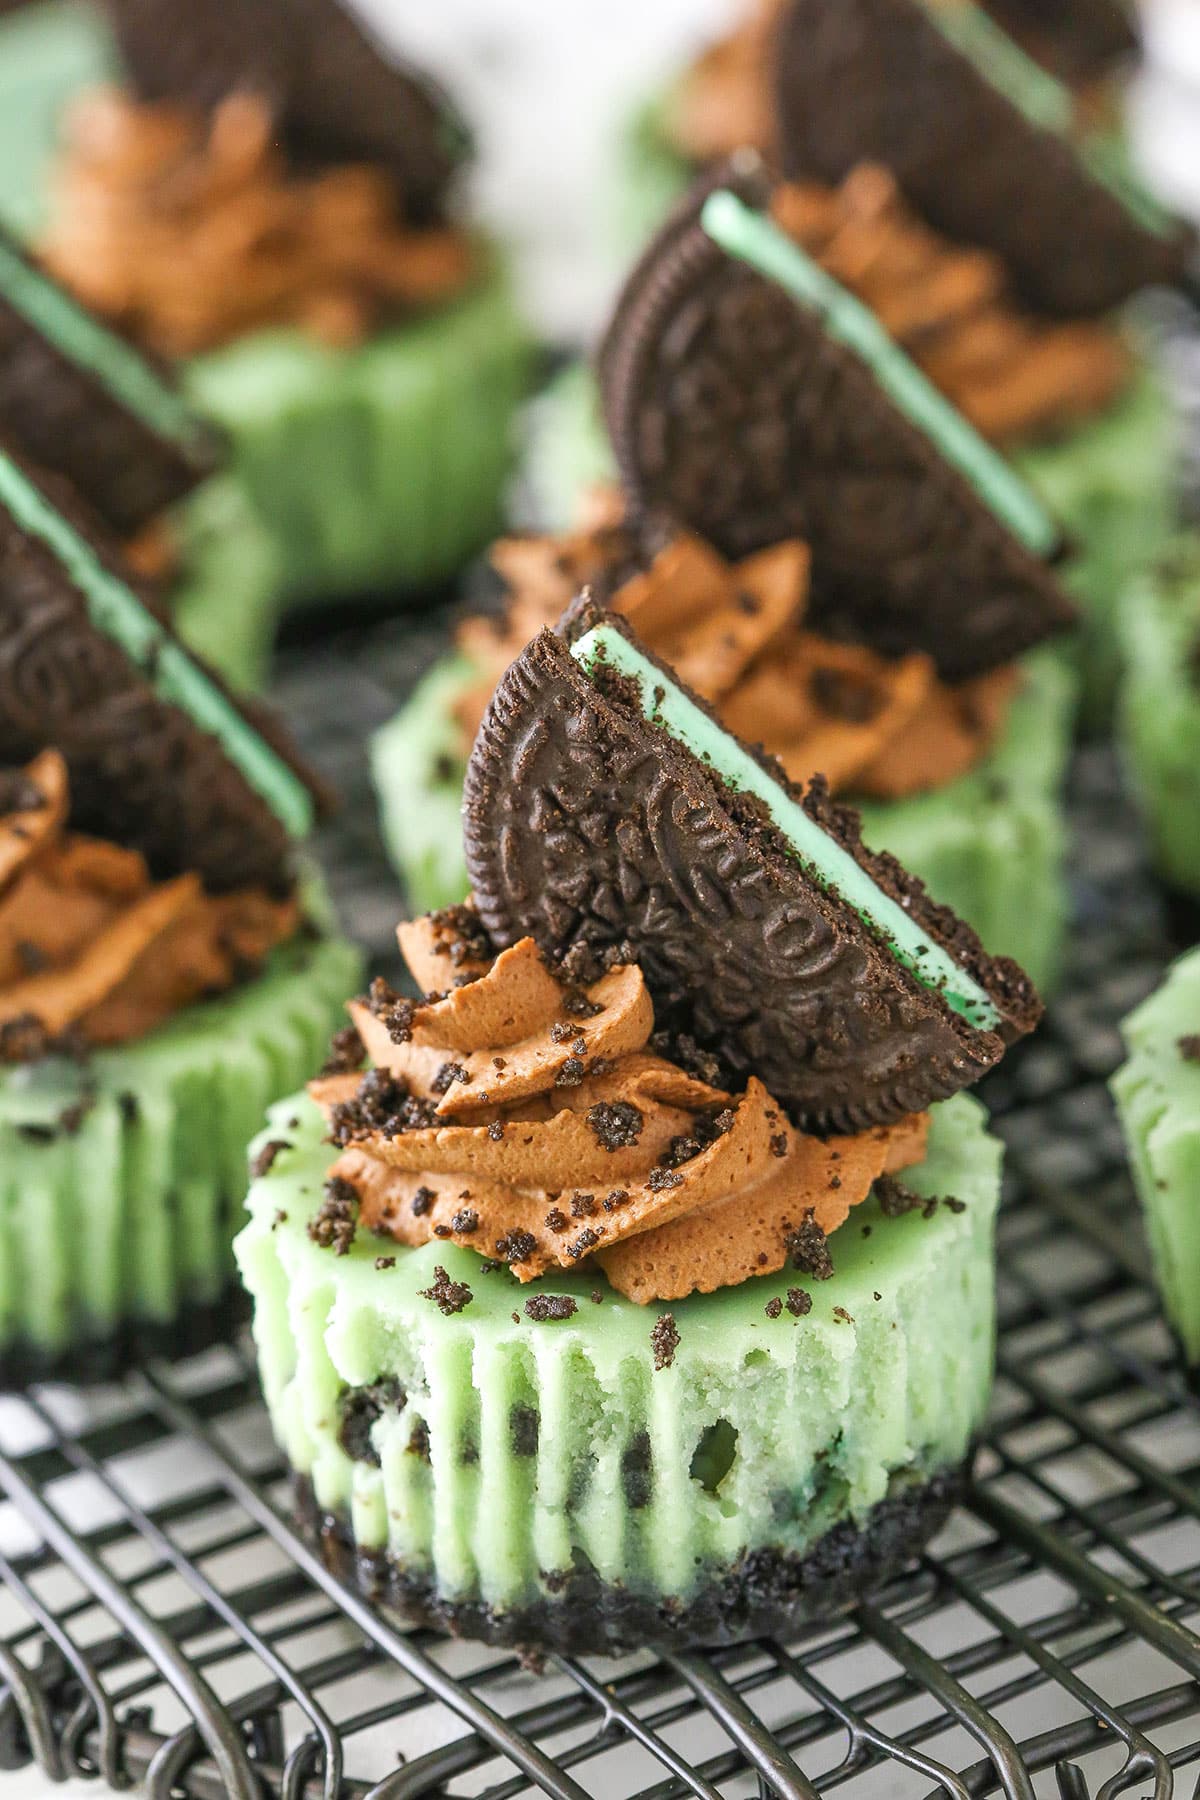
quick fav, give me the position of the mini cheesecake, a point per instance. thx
(1017, 171)
(635, 1285)
(164, 972)
(302, 260)
(825, 548)
(1158, 1097)
(1160, 709)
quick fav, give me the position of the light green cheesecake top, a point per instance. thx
(128, 377)
(115, 610)
(826, 862)
(1045, 102)
(753, 238)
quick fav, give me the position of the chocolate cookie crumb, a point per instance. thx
(659, 1180)
(616, 1124)
(779, 1147)
(636, 1464)
(262, 1163)
(664, 1340)
(576, 1005)
(381, 1105)
(799, 1304)
(842, 1316)
(448, 1296)
(346, 1052)
(542, 1308)
(773, 1308)
(587, 1240)
(495, 1131)
(465, 1221)
(953, 1204)
(808, 1248)
(582, 1206)
(572, 1073)
(334, 1224)
(447, 1075)
(1189, 1047)
(359, 1409)
(516, 1246)
(422, 1200)
(615, 1198)
(279, 1219)
(385, 1262)
(524, 1425)
(556, 1219)
(895, 1199)
(597, 1298)
(394, 1011)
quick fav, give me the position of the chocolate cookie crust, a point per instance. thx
(766, 1592)
(337, 96)
(877, 80)
(196, 1327)
(733, 412)
(604, 838)
(143, 772)
(64, 418)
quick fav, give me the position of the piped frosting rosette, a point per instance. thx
(539, 1124)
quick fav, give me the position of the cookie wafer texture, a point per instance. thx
(603, 836)
(1077, 39)
(161, 758)
(981, 140)
(752, 407)
(80, 401)
(337, 95)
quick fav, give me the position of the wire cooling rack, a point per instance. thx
(160, 1622)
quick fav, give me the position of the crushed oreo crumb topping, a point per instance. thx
(587, 1240)
(799, 1304)
(773, 1308)
(385, 1262)
(516, 1246)
(264, 1161)
(465, 1221)
(616, 1124)
(808, 1248)
(659, 1180)
(422, 1200)
(582, 1205)
(346, 1052)
(542, 1308)
(524, 1425)
(394, 1011)
(616, 1197)
(664, 1340)
(380, 1106)
(448, 1296)
(1189, 1047)
(447, 1075)
(334, 1224)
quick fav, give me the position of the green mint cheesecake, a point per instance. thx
(873, 600)
(1024, 178)
(635, 1285)
(187, 176)
(1157, 1091)
(165, 967)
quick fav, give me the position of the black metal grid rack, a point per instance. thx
(160, 1622)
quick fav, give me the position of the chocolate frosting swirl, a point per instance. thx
(534, 1122)
(92, 950)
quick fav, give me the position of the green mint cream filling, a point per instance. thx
(75, 334)
(754, 239)
(1045, 102)
(825, 862)
(115, 610)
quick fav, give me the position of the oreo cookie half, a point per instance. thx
(161, 757)
(607, 813)
(982, 141)
(338, 96)
(1076, 40)
(751, 399)
(82, 402)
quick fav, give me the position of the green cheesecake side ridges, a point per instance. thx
(115, 610)
(81, 339)
(761, 1433)
(833, 868)
(752, 238)
(1158, 1097)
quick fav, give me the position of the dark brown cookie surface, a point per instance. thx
(337, 95)
(1075, 39)
(143, 773)
(66, 419)
(735, 414)
(600, 836)
(876, 80)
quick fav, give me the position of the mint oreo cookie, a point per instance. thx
(750, 398)
(765, 928)
(982, 141)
